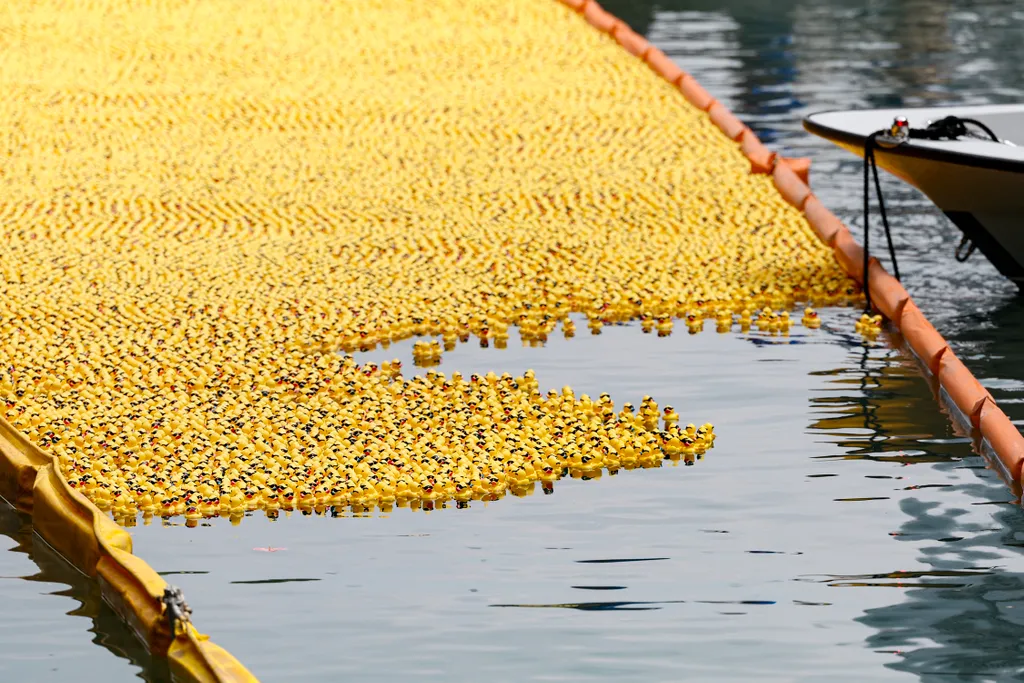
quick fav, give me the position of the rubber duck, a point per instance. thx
(784, 323)
(304, 498)
(869, 326)
(672, 444)
(810, 320)
(671, 418)
(745, 319)
(723, 321)
(694, 322)
(237, 505)
(146, 503)
(568, 327)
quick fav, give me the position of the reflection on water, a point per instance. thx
(956, 617)
(763, 553)
(774, 64)
(62, 656)
(766, 561)
(972, 632)
(968, 628)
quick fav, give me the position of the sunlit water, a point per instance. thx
(839, 528)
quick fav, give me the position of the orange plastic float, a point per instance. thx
(887, 294)
(695, 93)
(849, 254)
(95, 545)
(963, 389)
(799, 165)
(762, 159)
(597, 17)
(789, 185)
(972, 406)
(634, 43)
(663, 65)
(726, 121)
(1000, 435)
(825, 223)
(923, 339)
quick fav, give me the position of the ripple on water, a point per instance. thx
(833, 420)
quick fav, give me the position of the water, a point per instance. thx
(774, 66)
(839, 528)
(39, 591)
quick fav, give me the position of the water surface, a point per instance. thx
(840, 527)
(38, 641)
(837, 526)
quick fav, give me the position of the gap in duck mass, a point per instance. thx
(620, 365)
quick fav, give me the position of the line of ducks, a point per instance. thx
(391, 440)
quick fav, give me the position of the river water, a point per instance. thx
(839, 529)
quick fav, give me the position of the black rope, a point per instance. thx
(950, 128)
(947, 128)
(869, 155)
(871, 165)
(962, 257)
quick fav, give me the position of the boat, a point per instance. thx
(965, 159)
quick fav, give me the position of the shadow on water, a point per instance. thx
(965, 631)
(995, 358)
(961, 619)
(107, 628)
(773, 63)
(886, 53)
(756, 38)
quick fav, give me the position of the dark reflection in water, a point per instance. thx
(108, 630)
(641, 605)
(265, 581)
(619, 606)
(624, 559)
(972, 632)
(918, 515)
(774, 63)
(961, 618)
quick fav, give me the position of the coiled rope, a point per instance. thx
(946, 128)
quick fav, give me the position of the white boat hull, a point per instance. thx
(979, 184)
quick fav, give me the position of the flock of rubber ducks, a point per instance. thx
(371, 438)
(869, 326)
(191, 246)
(426, 353)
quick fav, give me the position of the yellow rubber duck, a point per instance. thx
(766, 320)
(810, 320)
(784, 323)
(723, 321)
(568, 327)
(868, 325)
